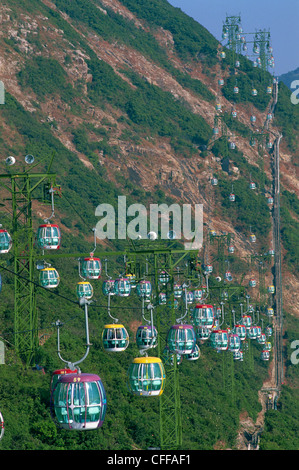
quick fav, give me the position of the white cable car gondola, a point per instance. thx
(197, 294)
(194, 355)
(162, 298)
(146, 337)
(270, 312)
(108, 287)
(163, 278)
(240, 330)
(265, 355)
(247, 321)
(234, 342)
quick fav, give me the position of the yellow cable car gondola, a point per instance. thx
(146, 376)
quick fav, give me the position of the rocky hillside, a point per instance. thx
(99, 77)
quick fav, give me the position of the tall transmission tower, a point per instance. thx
(20, 188)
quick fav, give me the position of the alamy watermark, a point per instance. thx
(294, 99)
(174, 221)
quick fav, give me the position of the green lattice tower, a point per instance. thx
(20, 187)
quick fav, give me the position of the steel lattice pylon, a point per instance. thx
(20, 187)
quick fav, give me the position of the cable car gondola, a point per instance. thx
(49, 278)
(115, 337)
(48, 237)
(84, 289)
(91, 268)
(234, 342)
(108, 287)
(181, 339)
(5, 241)
(203, 316)
(177, 291)
(240, 330)
(219, 340)
(80, 401)
(122, 287)
(194, 355)
(144, 289)
(146, 376)
(146, 337)
(247, 321)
